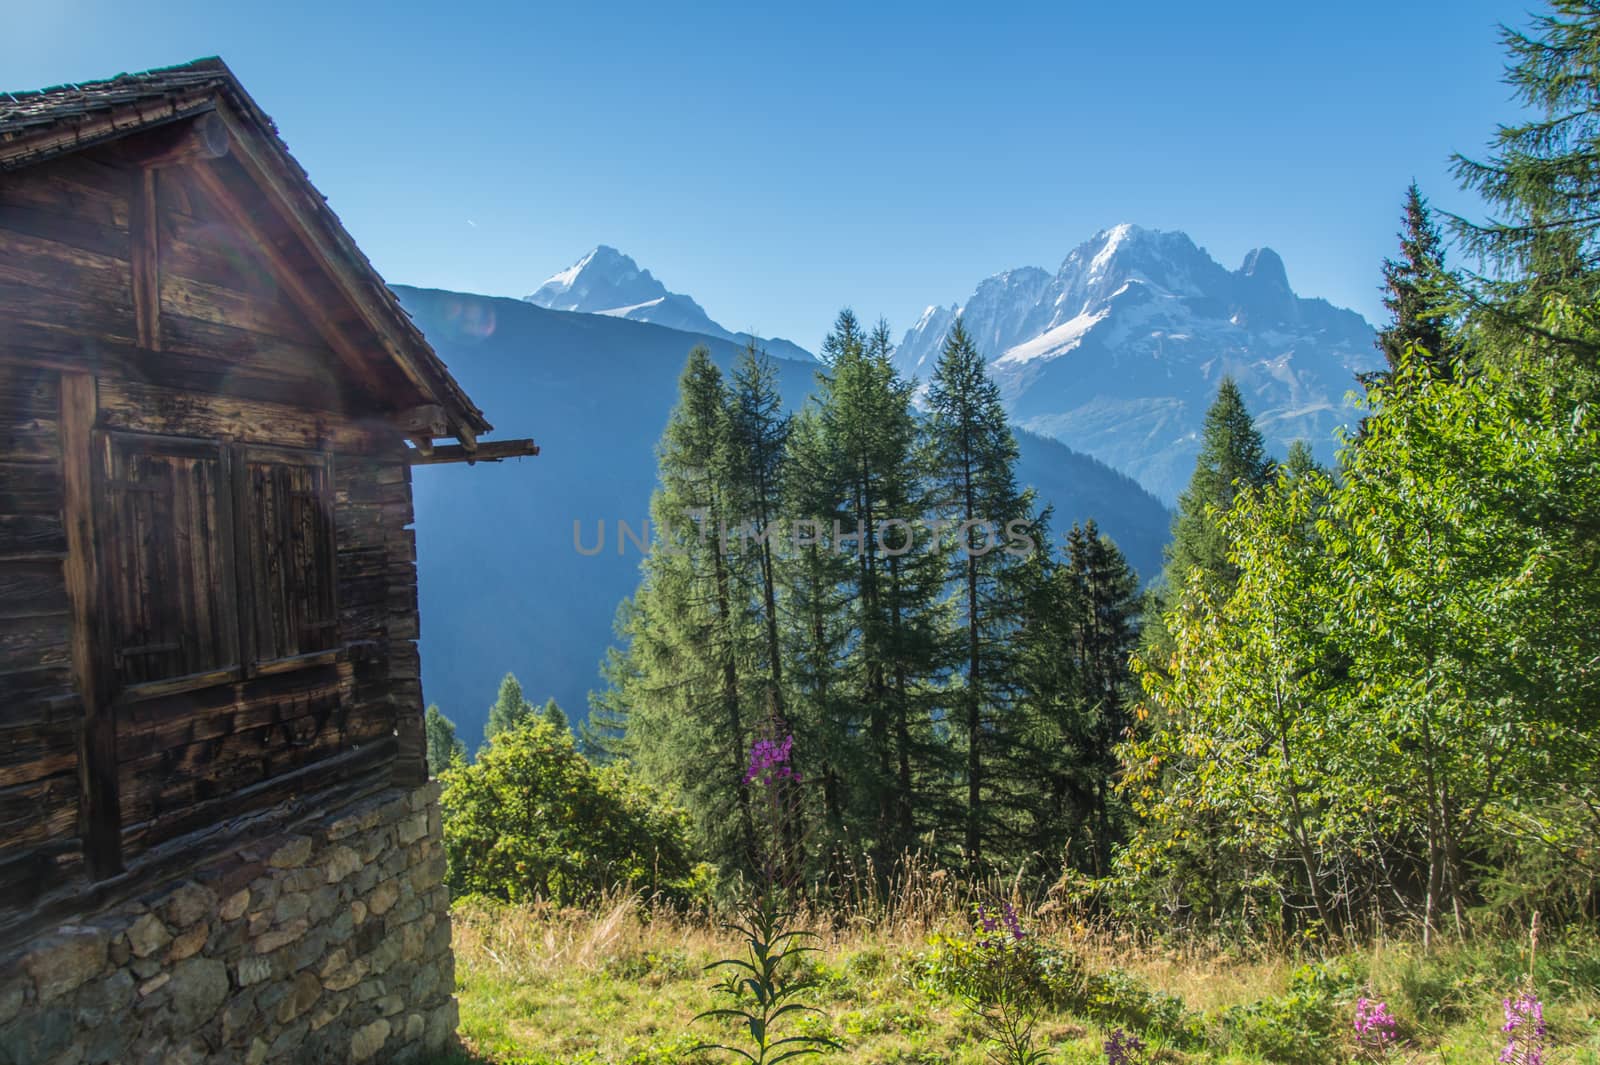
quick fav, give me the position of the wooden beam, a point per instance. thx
(427, 420)
(289, 278)
(193, 140)
(144, 238)
(493, 451)
(423, 444)
(99, 811)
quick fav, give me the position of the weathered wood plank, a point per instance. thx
(38, 811)
(29, 487)
(136, 407)
(207, 301)
(100, 818)
(29, 219)
(68, 271)
(28, 537)
(31, 589)
(145, 258)
(74, 187)
(75, 320)
(37, 751)
(37, 696)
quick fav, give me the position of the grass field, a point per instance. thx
(620, 985)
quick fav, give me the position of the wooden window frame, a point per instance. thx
(240, 542)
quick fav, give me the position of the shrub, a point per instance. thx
(533, 819)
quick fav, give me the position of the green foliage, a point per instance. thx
(444, 748)
(551, 712)
(765, 987)
(1540, 180)
(532, 819)
(1418, 293)
(510, 709)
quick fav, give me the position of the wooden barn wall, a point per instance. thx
(236, 360)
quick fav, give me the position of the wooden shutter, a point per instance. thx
(168, 556)
(288, 522)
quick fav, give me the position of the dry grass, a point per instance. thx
(620, 982)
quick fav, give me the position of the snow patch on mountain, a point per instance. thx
(1152, 323)
(606, 281)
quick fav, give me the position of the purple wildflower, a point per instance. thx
(1375, 1026)
(769, 762)
(1013, 924)
(1122, 1048)
(1526, 1029)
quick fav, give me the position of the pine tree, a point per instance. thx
(444, 748)
(973, 456)
(510, 709)
(1416, 284)
(1542, 178)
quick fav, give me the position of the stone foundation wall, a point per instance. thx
(327, 944)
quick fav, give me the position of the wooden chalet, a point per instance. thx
(209, 406)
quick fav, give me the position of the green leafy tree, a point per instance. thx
(444, 749)
(510, 709)
(1247, 711)
(532, 819)
(1463, 541)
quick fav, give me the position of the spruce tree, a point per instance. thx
(869, 431)
(1542, 181)
(1232, 456)
(552, 713)
(684, 677)
(973, 455)
(1106, 591)
(510, 708)
(1416, 285)
(444, 748)
(813, 579)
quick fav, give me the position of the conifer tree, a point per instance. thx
(1107, 593)
(1542, 181)
(870, 432)
(552, 712)
(510, 708)
(444, 748)
(759, 431)
(684, 681)
(1415, 285)
(974, 455)
(815, 608)
(1232, 456)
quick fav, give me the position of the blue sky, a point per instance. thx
(778, 162)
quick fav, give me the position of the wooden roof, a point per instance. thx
(45, 124)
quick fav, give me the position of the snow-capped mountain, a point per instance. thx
(608, 282)
(1119, 353)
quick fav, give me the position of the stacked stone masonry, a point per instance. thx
(328, 944)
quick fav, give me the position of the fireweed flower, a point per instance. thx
(1122, 1048)
(1375, 1026)
(769, 762)
(1526, 1029)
